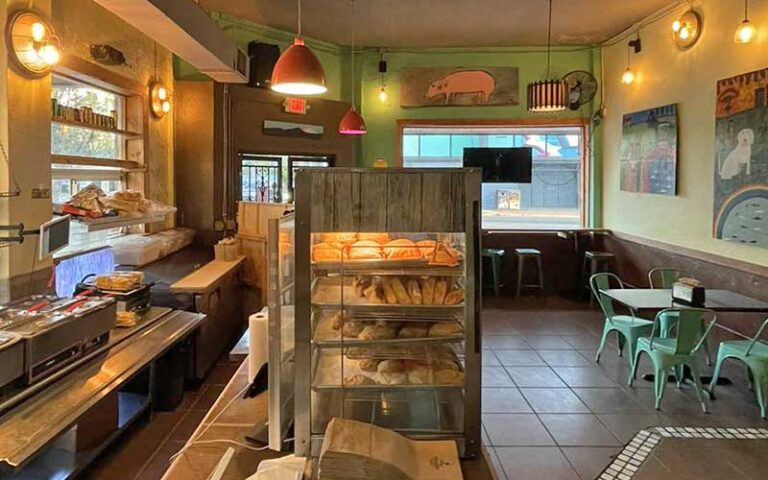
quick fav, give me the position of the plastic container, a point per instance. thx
(137, 252)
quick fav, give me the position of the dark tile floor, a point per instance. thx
(144, 452)
(550, 412)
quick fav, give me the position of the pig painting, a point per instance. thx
(478, 83)
(458, 86)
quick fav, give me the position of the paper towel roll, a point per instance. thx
(258, 342)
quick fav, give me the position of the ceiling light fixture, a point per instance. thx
(383, 96)
(628, 77)
(686, 30)
(34, 45)
(352, 122)
(298, 71)
(746, 31)
(549, 95)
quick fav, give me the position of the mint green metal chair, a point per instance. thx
(754, 353)
(677, 352)
(627, 327)
(663, 277)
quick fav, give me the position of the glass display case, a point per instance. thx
(386, 331)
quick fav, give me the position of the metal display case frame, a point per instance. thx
(408, 201)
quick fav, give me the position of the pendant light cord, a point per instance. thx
(298, 18)
(352, 22)
(746, 10)
(549, 37)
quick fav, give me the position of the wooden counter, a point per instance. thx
(208, 277)
(197, 462)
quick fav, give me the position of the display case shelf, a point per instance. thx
(389, 267)
(88, 126)
(106, 223)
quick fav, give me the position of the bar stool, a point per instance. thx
(527, 254)
(494, 257)
(596, 261)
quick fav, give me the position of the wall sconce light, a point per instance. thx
(686, 30)
(34, 45)
(628, 77)
(746, 31)
(159, 99)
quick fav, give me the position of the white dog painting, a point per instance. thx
(740, 157)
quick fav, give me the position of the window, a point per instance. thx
(553, 198)
(270, 178)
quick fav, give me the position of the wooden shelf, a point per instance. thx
(117, 131)
(96, 162)
(105, 223)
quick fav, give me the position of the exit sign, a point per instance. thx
(296, 105)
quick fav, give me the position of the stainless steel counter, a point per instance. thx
(44, 415)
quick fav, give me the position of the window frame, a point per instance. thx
(581, 123)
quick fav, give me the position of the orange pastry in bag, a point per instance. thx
(401, 249)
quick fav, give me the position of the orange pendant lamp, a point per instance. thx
(352, 122)
(298, 71)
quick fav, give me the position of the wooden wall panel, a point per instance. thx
(404, 207)
(373, 201)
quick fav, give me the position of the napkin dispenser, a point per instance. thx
(688, 294)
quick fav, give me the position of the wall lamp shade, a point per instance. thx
(159, 99)
(32, 44)
(352, 123)
(298, 72)
(547, 96)
(686, 30)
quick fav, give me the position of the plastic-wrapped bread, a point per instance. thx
(343, 238)
(445, 329)
(441, 289)
(364, 250)
(373, 295)
(368, 364)
(377, 332)
(444, 255)
(402, 296)
(389, 292)
(325, 252)
(359, 380)
(455, 297)
(396, 378)
(380, 238)
(352, 328)
(428, 290)
(391, 366)
(414, 290)
(360, 284)
(410, 331)
(427, 248)
(401, 249)
(448, 377)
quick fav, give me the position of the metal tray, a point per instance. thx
(336, 291)
(390, 267)
(331, 367)
(326, 336)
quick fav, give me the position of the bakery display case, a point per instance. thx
(387, 318)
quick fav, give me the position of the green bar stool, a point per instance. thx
(526, 255)
(596, 261)
(754, 353)
(494, 257)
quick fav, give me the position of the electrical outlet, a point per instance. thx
(41, 193)
(231, 224)
(218, 226)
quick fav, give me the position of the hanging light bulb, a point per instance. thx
(746, 31)
(383, 95)
(298, 71)
(38, 32)
(352, 122)
(550, 95)
(628, 77)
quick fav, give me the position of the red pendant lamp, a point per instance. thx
(352, 122)
(298, 71)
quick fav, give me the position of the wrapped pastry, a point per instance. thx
(441, 289)
(389, 323)
(438, 365)
(455, 297)
(398, 378)
(360, 283)
(427, 248)
(444, 255)
(391, 366)
(413, 332)
(359, 380)
(419, 374)
(352, 328)
(342, 238)
(389, 292)
(428, 290)
(402, 296)
(364, 250)
(401, 249)
(445, 329)
(337, 321)
(380, 238)
(448, 377)
(377, 332)
(368, 364)
(414, 291)
(325, 252)
(373, 294)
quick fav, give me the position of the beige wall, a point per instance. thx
(667, 75)
(25, 118)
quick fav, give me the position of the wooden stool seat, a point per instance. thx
(529, 254)
(596, 261)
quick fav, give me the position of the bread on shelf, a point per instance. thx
(401, 249)
(364, 250)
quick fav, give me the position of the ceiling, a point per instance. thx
(447, 23)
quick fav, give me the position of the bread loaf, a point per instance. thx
(428, 290)
(413, 332)
(414, 291)
(368, 364)
(401, 249)
(441, 288)
(389, 292)
(445, 329)
(455, 297)
(359, 380)
(364, 250)
(377, 332)
(402, 296)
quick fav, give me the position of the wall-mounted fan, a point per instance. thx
(582, 88)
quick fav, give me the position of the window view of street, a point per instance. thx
(553, 198)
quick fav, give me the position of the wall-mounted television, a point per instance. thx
(501, 165)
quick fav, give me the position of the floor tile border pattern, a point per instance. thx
(628, 462)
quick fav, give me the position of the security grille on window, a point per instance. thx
(270, 178)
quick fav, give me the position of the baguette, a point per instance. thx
(441, 288)
(428, 291)
(389, 292)
(402, 295)
(455, 297)
(372, 294)
(415, 291)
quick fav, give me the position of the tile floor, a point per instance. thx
(145, 452)
(550, 412)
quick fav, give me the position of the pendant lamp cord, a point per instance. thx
(352, 22)
(549, 37)
(298, 18)
(746, 9)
